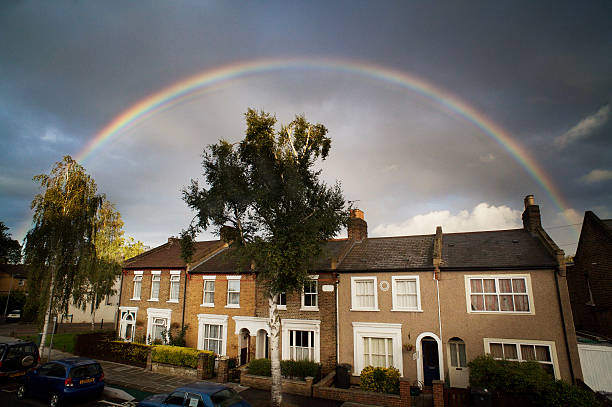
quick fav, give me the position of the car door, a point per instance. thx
(37, 383)
(53, 380)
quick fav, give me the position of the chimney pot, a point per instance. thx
(531, 215)
(356, 213)
(529, 201)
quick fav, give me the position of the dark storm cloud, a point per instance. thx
(538, 69)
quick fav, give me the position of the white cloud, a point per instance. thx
(585, 128)
(597, 176)
(54, 136)
(482, 217)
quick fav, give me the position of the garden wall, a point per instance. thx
(299, 387)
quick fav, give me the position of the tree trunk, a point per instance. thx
(43, 338)
(274, 322)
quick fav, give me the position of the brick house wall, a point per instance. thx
(592, 269)
(326, 314)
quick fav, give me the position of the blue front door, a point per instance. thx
(431, 363)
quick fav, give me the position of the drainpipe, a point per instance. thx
(437, 260)
(118, 315)
(337, 324)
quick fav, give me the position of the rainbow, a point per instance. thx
(186, 88)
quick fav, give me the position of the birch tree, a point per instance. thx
(267, 188)
(61, 241)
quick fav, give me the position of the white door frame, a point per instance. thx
(420, 355)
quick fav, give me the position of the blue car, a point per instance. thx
(63, 380)
(199, 394)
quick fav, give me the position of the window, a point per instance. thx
(212, 333)
(208, 291)
(542, 352)
(155, 278)
(364, 294)
(175, 282)
(233, 292)
(406, 293)
(282, 300)
(21, 282)
(301, 345)
(501, 294)
(137, 286)
(212, 338)
(159, 326)
(378, 352)
(377, 344)
(457, 353)
(309, 294)
(175, 398)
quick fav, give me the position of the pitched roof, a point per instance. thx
(17, 270)
(608, 223)
(388, 253)
(494, 249)
(168, 255)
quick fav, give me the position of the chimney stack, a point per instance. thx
(531, 215)
(357, 226)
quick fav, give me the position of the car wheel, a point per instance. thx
(54, 400)
(21, 391)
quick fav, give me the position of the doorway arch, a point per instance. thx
(429, 336)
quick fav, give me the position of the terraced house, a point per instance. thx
(429, 304)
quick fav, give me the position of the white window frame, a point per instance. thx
(363, 330)
(204, 280)
(133, 311)
(137, 278)
(232, 278)
(210, 319)
(311, 307)
(395, 302)
(175, 278)
(518, 342)
(155, 278)
(280, 306)
(288, 325)
(354, 303)
(497, 277)
(153, 313)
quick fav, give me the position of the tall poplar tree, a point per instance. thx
(61, 242)
(268, 190)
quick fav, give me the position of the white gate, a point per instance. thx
(596, 362)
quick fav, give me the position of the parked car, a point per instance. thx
(199, 394)
(63, 380)
(14, 316)
(17, 357)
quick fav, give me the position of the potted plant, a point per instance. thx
(408, 347)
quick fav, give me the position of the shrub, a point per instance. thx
(179, 356)
(100, 346)
(300, 369)
(528, 379)
(380, 379)
(260, 367)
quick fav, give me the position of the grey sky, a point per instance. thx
(540, 70)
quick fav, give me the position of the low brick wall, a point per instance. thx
(324, 390)
(302, 388)
(172, 370)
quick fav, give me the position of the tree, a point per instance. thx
(268, 190)
(10, 249)
(132, 248)
(61, 242)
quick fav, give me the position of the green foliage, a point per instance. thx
(300, 369)
(178, 356)
(176, 337)
(289, 368)
(380, 379)
(260, 367)
(10, 249)
(528, 379)
(131, 248)
(16, 301)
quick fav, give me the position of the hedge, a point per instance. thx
(289, 368)
(180, 356)
(380, 379)
(101, 346)
(527, 382)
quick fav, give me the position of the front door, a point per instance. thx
(458, 372)
(431, 363)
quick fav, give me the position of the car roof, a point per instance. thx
(5, 340)
(75, 361)
(202, 387)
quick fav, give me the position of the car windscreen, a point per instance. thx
(79, 372)
(224, 397)
(2, 350)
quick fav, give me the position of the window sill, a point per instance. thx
(406, 310)
(134, 299)
(365, 309)
(207, 305)
(315, 309)
(232, 306)
(173, 301)
(153, 299)
(502, 312)
(281, 307)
